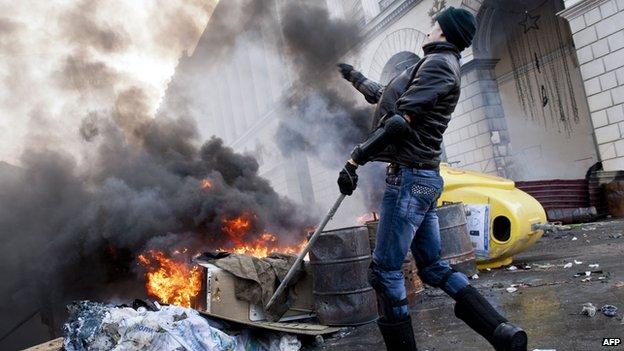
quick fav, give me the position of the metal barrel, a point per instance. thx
(572, 215)
(342, 294)
(456, 247)
(413, 285)
(614, 193)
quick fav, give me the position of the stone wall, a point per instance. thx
(598, 32)
(476, 137)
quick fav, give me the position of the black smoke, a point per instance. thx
(323, 118)
(75, 232)
(73, 223)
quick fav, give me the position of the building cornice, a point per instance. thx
(387, 17)
(580, 8)
(482, 64)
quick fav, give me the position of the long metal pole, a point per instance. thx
(313, 238)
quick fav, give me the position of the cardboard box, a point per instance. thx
(218, 298)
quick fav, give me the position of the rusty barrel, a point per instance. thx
(413, 285)
(342, 294)
(614, 193)
(572, 215)
(456, 247)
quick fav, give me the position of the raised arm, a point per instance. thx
(370, 89)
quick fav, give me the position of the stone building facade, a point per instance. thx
(542, 88)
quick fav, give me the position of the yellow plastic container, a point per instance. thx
(512, 211)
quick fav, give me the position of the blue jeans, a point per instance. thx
(409, 220)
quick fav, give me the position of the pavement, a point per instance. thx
(547, 303)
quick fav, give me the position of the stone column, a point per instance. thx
(598, 31)
(477, 135)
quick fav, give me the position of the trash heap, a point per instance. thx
(97, 326)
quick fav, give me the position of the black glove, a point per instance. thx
(347, 180)
(345, 70)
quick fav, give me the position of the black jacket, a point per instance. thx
(428, 92)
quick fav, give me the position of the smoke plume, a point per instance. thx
(324, 120)
(93, 178)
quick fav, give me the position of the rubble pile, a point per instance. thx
(96, 326)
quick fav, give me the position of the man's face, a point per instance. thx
(435, 34)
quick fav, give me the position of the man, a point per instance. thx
(411, 115)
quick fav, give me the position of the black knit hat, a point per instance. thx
(458, 25)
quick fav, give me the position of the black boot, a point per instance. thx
(398, 336)
(476, 311)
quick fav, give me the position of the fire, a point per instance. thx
(174, 281)
(239, 231)
(171, 281)
(237, 228)
(205, 184)
(265, 245)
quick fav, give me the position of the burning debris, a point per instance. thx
(172, 282)
(238, 232)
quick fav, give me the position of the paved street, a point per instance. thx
(547, 303)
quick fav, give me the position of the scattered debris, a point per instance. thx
(539, 282)
(587, 273)
(512, 268)
(567, 265)
(619, 284)
(287, 342)
(488, 269)
(524, 266)
(551, 227)
(512, 289)
(97, 326)
(594, 265)
(319, 341)
(615, 236)
(588, 309)
(609, 310)
(574, 238)
(475, 276)
(544, 266)
(578, 262)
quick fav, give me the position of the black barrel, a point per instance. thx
(342, 294)
(456, 246)
(614, 193)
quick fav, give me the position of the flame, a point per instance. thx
(171, 281)
(205, 184)
(176, 282)
(237, 228)
(239, 231)
(266, 245)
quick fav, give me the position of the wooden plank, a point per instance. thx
(52, 345)
(293, 328)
